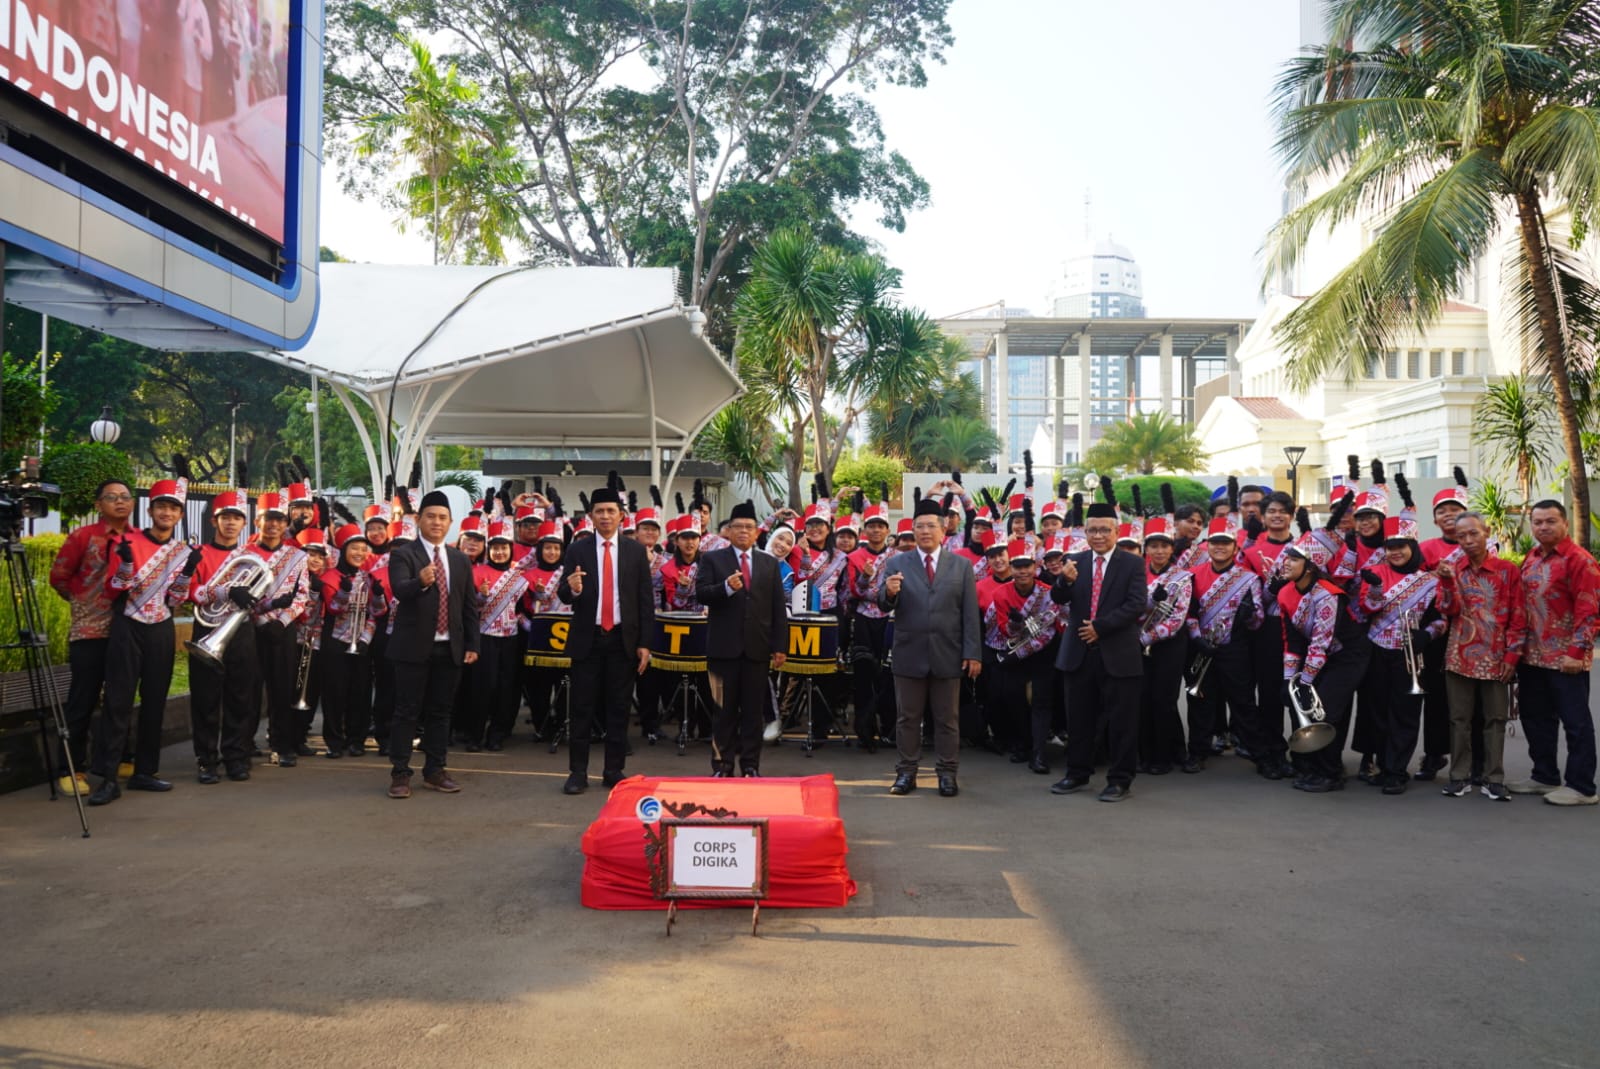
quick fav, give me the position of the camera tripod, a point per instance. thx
(35, 646)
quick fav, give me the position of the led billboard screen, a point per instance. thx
(197, 90)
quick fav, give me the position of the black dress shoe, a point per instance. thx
(106, 793)
(750, 773)
(611, 777)
(1068, 785)
(904, 783)
(1018, 758)
(1269, 770)
(239, 771)
(1038, 767)
(576, 783)
(356, 750)
(1193, 764)
(305, 751)
(1160, 768)
(141, 781)
(947, 785)
(383, 749)
(474, 747)
(494, 746)
(334, 752)
(1396, 784)
(287, 760)
(1114, 792)
(208, 775)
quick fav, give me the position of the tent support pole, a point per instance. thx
(650, 390)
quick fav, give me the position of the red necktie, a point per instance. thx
(441, 623)
(1094, 595)
(608, 614)
(744, 568)
(927, 562)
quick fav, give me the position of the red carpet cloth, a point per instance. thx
(805, 840)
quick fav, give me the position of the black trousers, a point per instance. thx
(346, 695)
(1095, 700)
(872, 680)
(538, 685)
(225, 700)
(382, 689)
(738, 700)
(494, 679)
(602, 685)
(1397, 713)
(1021, 716)
(652, 688)
(87, 659)
(424, 693)
(1263, 732)
(1160, 727)
(138, 657)
(278, 654)
(468, 719)
(1336, 685)
(1230, 679)
(1436, 707)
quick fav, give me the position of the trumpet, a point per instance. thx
(358, 612)
(1030, 630)
(302, 675)
(222, 615)
(1413, 658)
(1201, 665)
(1311, 728)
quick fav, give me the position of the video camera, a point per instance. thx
(22, 497)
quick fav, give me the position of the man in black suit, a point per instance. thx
(746, 629)
(435, 634)
(606, 580)
(1105, 592)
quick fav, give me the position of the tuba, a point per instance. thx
(1311, 728)
(222, 616)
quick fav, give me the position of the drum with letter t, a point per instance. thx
(813, 644)
(547, 640)
(678, 643)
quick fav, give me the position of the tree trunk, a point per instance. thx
(1531, 216)
(794, 459)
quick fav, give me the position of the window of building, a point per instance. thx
(1391, 364)
(1428, 467)
(1414, 364)
(1436, 364)
(1398, 467)
(1458, 362)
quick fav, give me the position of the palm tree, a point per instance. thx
(895, 420)
(1146, 443)
(1447, 118)
(819, 328)
(1512, 424)
(956, 443)
(742, 437)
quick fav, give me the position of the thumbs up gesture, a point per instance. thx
(575, 581)
(892, 584)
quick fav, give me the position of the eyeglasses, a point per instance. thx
(114, 498)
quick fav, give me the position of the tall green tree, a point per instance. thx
(896, 421)
(957, 442)
(1512, 424)
(1144, 444)
(1441, 120)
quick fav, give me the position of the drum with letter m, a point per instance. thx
(813, 644)
(679, 642)
(547, 640)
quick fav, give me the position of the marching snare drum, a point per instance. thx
(813, 644)
(547, 640)
(678, 643)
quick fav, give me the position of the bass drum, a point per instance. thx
(678, 643)
(813, 644)
(547, 640)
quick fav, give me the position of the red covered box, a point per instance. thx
(805, 840)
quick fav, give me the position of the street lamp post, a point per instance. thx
(105, 430)
(1294, 453)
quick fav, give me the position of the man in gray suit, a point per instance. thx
(937, 636)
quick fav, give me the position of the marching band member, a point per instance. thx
(1054, 515)
(1264, 557)
(375, 521)
(780, 544)
(274, 616)
(349, 591)
(905, 539)
(224, 700)
(526, 530)
(470, 538)
(679, 576)
(869, 649)
(1188, 548)
(1019, 627)
(153, 575)
(382, 670)
(308, 629)
(1437, 732)
(1227, 607)
(79, 575)
(1481, 595)
(1165, 638)
(1325, 652)
(1371, 509)
(996, 569)
(501, 589)
(467, 719)
(1398, 597)
(544, 581)
(1561, 593)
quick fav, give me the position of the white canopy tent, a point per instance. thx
(597, 357)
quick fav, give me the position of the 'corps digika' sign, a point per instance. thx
(716, 859)
(196, 89)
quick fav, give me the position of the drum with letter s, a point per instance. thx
(678, 643)
(547, 640)
(813, 644)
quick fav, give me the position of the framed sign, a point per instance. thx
(716, 858)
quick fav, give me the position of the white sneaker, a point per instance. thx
(1531, 786)
(773, 731)
(1568, 796)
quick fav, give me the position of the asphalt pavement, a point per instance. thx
(303, 918)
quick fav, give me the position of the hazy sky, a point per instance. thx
(1158, 108)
